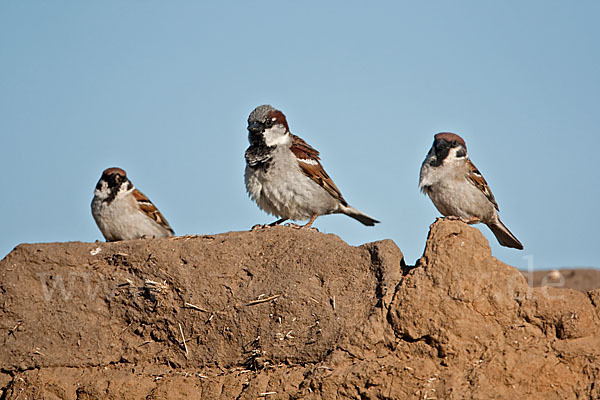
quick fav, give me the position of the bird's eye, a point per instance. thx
(269, 122)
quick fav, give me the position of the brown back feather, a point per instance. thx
(150, 209)
(479, 181)
(310, 164)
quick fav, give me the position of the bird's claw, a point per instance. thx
(258, 227)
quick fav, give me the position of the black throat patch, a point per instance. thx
(258, 155)
(113, 189)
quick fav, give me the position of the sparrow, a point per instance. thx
(457, 188)
(284, 175)
(122, 212)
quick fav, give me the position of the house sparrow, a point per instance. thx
(457, 188)
(122, 212)
(284, 175)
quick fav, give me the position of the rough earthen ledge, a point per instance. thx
(287, 314)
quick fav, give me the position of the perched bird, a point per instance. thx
(122, 212)
(284, 175)
(457, 188)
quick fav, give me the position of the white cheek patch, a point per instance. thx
(126, 187)
(101, 192)
(276, 135)
(452, 156)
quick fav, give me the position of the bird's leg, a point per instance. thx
(261, 226)
(279, 221)
(310, 222)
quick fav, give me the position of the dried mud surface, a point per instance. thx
(286, 314)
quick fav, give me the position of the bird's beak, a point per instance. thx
(254, 127)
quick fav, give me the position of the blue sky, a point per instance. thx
(163, 90)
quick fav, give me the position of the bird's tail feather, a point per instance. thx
(504, 236)
(359, 216)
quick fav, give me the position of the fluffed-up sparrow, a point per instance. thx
(122, 212)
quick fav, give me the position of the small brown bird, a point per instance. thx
(457, 188)
(284, 175)
(122, 212)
